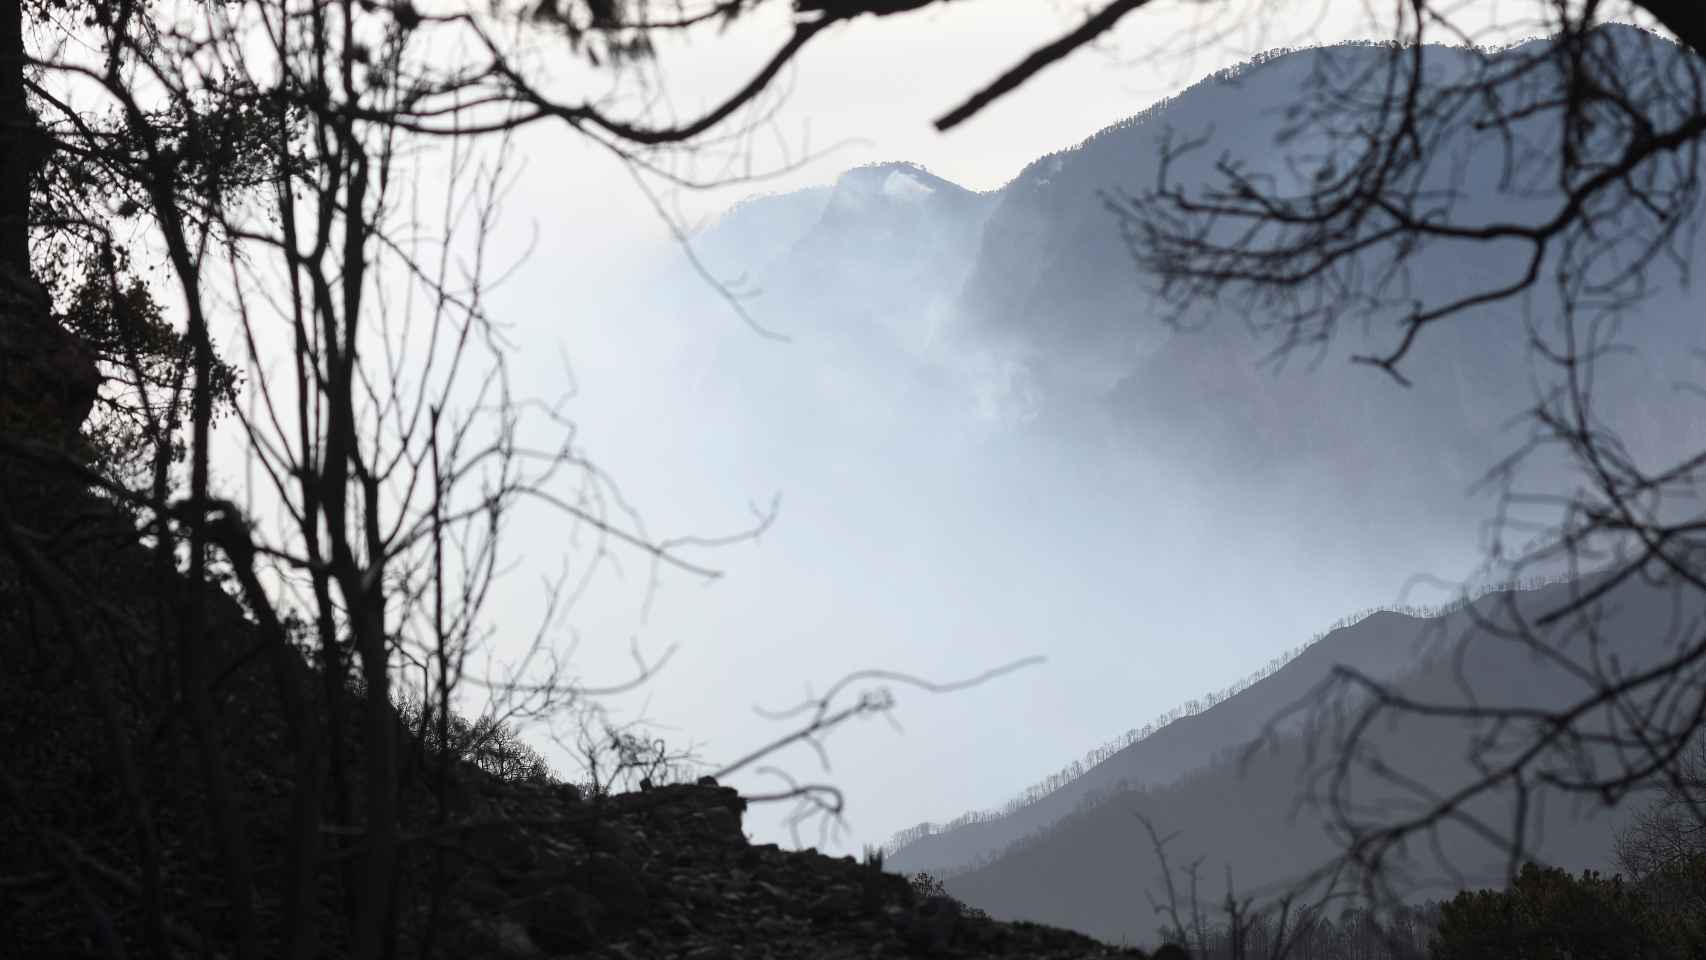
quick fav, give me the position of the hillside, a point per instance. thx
(1260, 814)
(111, 836)
(1382, 645)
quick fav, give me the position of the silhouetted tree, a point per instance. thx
(1669, 830)
(271, 157)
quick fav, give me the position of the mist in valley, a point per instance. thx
(986, 444)
(986, 439)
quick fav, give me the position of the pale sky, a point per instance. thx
(869, 90)
(836, 584)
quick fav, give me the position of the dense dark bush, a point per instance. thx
(490, 743)
(925, 886)
(1548, 914)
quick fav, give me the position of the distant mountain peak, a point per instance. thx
(891, 182)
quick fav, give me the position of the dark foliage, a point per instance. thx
(491, 744)
(925, 886)
(1547, 914)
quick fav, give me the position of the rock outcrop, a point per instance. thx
(669, 873)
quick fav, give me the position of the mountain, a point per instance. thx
(1257, 817)
(1039, 272)
(1381, 645)
(880, 252)
(1026, 303)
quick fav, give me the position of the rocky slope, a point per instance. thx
(668, 873)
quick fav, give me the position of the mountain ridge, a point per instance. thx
(1083, 871)
(943, 849)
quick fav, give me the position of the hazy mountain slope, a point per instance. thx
(1347, 427)
(855, 277)
(1382, 645)
(1056, 284)
(754, 234)
(873, 254)
(1054, 275)
(1039, 275)
(1089, 872)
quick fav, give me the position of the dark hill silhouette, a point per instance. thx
(526, 866)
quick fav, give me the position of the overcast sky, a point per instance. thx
(930, 579)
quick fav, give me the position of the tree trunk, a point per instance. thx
(48, 378)
(20, 144)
